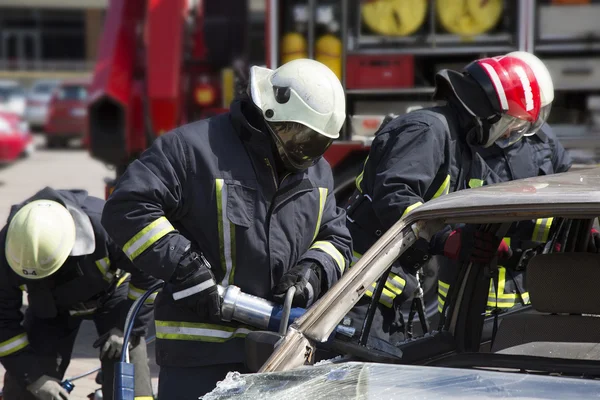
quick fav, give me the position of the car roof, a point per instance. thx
(7, 83)
(572, 194)
(76, 82)
(45, 81)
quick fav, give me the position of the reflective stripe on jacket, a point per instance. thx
(212, 185)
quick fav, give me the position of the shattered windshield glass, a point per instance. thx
(379, 381)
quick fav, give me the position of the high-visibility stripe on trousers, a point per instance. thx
(542, 229)
(13, 344)
(502, 299)
(197, 331)
(443, 288)
(145, 238)
(394, 286)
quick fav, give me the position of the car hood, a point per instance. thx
(362, 381)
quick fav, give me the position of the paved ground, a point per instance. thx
(64, 169)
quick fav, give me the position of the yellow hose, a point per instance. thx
(469, 17)
(394, 17)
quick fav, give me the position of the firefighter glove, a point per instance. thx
(306, 277)
(48, 388)
(467, 245)
(112, 344)
(194, 287)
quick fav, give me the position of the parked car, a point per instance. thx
(38, 98)
(15, 139)
(546, 349)
(12, 97)
(67, 113)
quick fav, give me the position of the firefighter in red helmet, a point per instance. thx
(493, 103)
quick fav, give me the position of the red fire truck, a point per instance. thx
(163, 63)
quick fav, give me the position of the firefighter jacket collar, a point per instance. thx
(246, 124)
(85, 240)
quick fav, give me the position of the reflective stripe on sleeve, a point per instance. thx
(444, 188)
(322, 200)
(226, 234)
(13, 344)
(411, 207)
(103, 265)
(104, 268)
(360, 177)
(330, 249)
(542, 229)
(79, 313)
(182, 294)
(135, 293)
(179, 330)
(147, 237)
(475, 183)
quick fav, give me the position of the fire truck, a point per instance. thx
(163, 63)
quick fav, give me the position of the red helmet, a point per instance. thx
(519, 89)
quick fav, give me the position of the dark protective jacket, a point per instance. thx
(82, 284)
(541, 154)
(212, 184)
(416, 157)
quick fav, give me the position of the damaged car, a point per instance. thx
(482, 345)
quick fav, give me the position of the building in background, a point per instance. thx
(49, 38)
(59, 38)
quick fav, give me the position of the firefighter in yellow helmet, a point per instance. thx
(55, 249)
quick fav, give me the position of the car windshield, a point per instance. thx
(72, 92)
(43, 88)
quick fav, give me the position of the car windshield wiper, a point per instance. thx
(531, 363)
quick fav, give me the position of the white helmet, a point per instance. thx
(304, 106)
(544, 80)
(39, 239)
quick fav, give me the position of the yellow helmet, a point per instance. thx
(40, 237)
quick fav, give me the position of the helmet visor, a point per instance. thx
(508, 130)
(299, 146)
(544, 113)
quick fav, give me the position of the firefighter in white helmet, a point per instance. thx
(249, 191)
(55, 249)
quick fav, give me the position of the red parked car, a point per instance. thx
(67, 113)
(15, 139)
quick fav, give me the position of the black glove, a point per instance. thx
(194, 287)
(306, 277)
